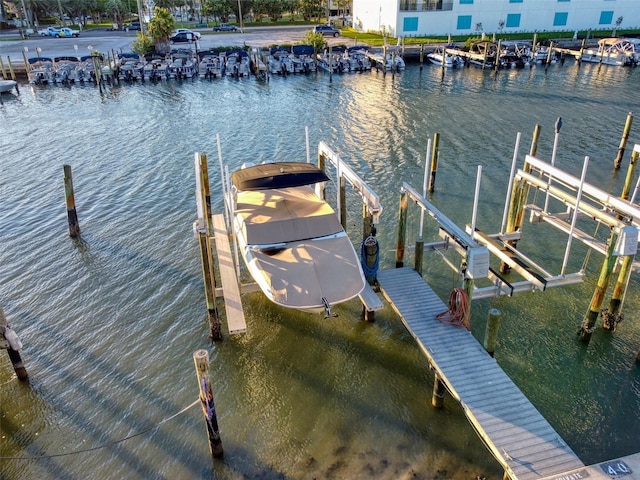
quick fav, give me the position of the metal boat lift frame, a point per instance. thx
(582, 200)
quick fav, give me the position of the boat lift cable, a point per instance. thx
(106, 445)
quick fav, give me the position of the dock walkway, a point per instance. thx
(517, 435)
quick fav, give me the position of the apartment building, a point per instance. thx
(406, 18)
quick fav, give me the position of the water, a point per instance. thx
(110, 322)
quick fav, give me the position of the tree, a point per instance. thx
(315, 39)
(219, 9)
(272, 8)
(157, 37)
(311, 9)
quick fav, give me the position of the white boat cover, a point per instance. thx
(296, 248)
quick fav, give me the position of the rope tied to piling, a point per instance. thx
(457, 314)
(370, 248)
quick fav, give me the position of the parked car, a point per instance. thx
(196, 35)
(326, 30)
(132, 26)
(47, 32)
(66, 32)
(225, 27)
(182, 37)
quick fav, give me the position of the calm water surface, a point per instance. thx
(110, 322)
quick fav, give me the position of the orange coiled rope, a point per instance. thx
(458, 312)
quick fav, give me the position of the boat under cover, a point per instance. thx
(292, 241)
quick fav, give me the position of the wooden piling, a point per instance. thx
(437, 400)
(201, 360)
(206, 251)
(623, 141)
(549, 56)
(13, 345)
(591, 316)
(72, 216)
(320, 187)
(421, 55)
(418, 255)
(27, 67)
(535, 139)
(584, 43)
(491, 333)
(13, 74)
(613, 315)
(402, 229)
(434, 162)
(519, 194)
(97, 68)
(384, 59)
(343, 201)
(4, 74)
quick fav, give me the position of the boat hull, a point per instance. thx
(7, 85)
(315, 270)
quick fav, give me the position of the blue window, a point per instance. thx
(606, 18)
(466, 2)
(410, 24)
(464, 22)
(560, 19)
(513, 20)
(515, 1)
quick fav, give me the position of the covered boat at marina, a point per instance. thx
(613, 51)
(291, 240)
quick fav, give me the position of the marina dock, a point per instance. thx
(513, 430)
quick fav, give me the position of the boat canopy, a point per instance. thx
(277, 175)
(302, 50)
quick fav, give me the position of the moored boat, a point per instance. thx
(302, 58)
(42, 70)
(358, 58)
(613, 51)
(291, 240)
(66, 68)
(237, 64)
(8, 85)
(211, 65)
(441, 57)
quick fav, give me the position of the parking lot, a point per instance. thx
(13, 46)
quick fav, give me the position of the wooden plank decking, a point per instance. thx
(517, 435)
(231, 291)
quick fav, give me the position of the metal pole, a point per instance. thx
(425, 182)
(475, 200)
(553, 159)
(575, 216)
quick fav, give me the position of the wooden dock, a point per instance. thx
(513, 430)
(231, 290)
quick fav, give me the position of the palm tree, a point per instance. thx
(160, 28)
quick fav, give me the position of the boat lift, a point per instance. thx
(582, 200)
(210, 226)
